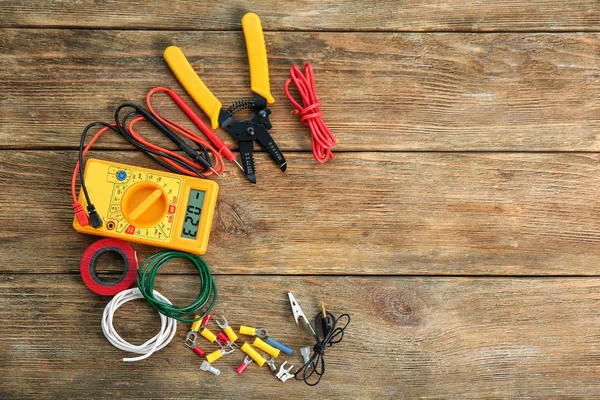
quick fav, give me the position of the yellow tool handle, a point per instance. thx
(192, 83)
(257, 56)
(267, 348)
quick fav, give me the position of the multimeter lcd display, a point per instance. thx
(192, 214)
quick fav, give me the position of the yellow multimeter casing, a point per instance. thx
(151, 207)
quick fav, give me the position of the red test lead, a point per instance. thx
(205, 129)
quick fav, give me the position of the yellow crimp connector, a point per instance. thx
(230, 334)
(192, 83)
(247, 330)
(196, 324)
(208, 335)
(267, 348)
(257, 56)
(260, 360)
(214, 356)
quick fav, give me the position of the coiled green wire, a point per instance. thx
(147, 273)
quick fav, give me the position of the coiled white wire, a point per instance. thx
(168, 326)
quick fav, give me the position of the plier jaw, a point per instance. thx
(243, 132)
(246, 132)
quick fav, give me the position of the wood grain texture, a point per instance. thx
(467, 155)
(362, 213)
(409, 338)
(381, 91)
(388, 15)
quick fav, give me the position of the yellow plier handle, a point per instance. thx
(193, 84)
(259, 70)
(257, 56)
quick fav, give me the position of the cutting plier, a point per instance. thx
(243, 132)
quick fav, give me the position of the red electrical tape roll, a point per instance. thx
(88, 266)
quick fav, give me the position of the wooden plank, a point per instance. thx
(410, 15)
(383, 92)
(409, 338)
(363, 213)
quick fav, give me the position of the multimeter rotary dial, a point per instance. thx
(144, 204)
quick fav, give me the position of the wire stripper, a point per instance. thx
(243, 132)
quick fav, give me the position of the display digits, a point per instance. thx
(192, 214)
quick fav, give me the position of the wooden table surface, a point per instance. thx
(458, 223)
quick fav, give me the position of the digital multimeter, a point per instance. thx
(150, 207)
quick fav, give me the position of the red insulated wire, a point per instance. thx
(321, 137)
(76, 170)
(218, 165)
(191, 135)
(204, 128)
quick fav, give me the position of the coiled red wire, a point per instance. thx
(321, 137)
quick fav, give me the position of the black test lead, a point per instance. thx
(330, 334)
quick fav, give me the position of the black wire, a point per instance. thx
(81, 147)
(154, 155)
(316, 363)
(124, 131)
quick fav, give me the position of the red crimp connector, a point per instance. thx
(81, 215)
(241, 368)
(222, 337)
(205, 321)
(199, 351)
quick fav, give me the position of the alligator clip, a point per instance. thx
(299, 313)
(243, 132)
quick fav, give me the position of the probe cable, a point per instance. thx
(330, 334)
(321, 137)
(147, 272)
(168, 327)
(216, 141)
(199, 165)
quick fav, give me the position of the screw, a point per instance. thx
(206, 367)
(250, 130)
